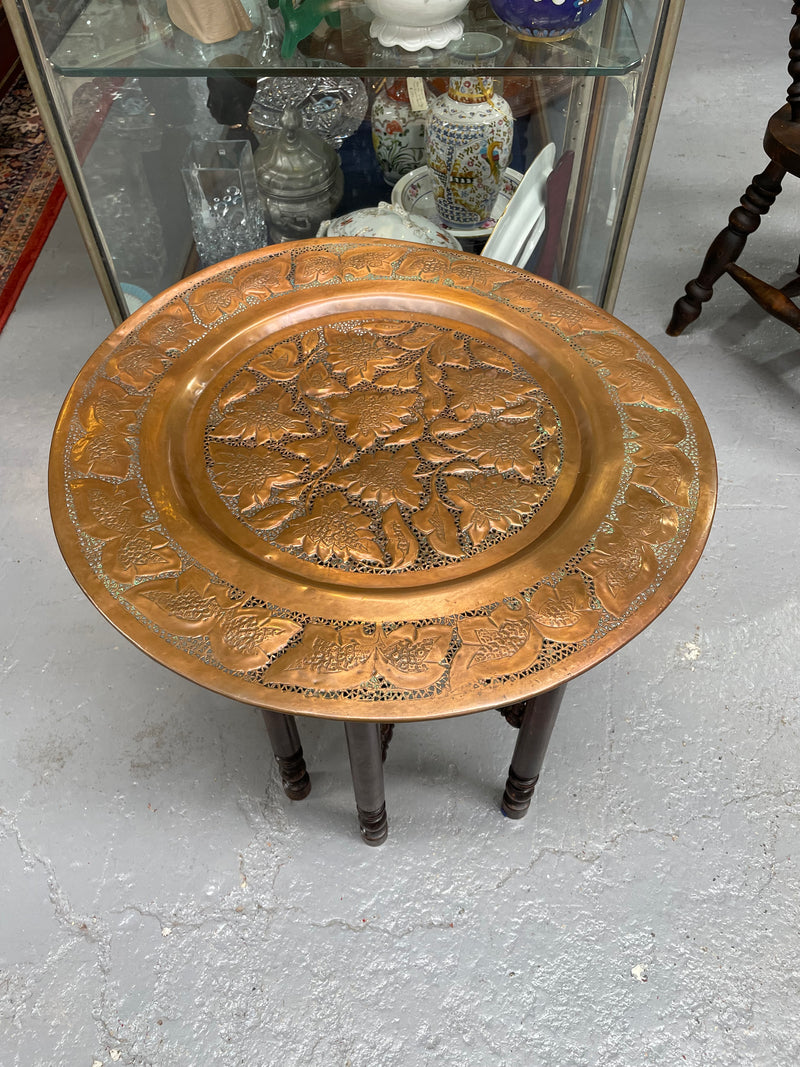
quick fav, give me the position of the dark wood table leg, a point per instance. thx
(387, 733)
(537, 724)
(366, 766)
(727, 245)
(285, 741)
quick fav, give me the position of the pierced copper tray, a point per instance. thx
(374, 480)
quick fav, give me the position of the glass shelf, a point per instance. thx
(125, 95)
(112, 38)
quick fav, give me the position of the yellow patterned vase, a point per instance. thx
(468, 144)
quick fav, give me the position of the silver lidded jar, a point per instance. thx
(299, 178)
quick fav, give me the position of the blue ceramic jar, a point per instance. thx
(545, 18)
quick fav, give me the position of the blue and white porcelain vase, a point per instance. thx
(468, 145)
(551, 19)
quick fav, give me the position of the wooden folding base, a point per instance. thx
(367, 744)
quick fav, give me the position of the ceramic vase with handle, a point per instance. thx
(553, 19)
(398, 131)
(468, 145)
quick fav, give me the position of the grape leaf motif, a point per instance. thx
(396, 441)
(333, 528)
(241, 636)
(329, 659)
(502, 642)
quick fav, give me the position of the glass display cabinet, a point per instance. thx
(127, 96)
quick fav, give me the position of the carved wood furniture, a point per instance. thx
(782, 145)
(380, 482)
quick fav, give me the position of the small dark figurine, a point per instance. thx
(230, 97)
(301, 21)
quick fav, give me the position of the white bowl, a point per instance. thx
(416, 24)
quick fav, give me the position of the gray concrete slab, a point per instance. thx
(158, 908)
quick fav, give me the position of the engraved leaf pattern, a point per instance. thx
(435, 398)
(369, 414)
(213, 300)
(250, 474)
(655, 428)
(637, 382)
(504, 447)
(117, 515)
(413, 657)
(491, 502)
(502, 642)
(622, 567)
(270, 518)
(449, 351)
(110, 405)
(436, 522)
(344, 389)
(358, 355)
(327, 659)
(363, 261)
(266, 415)
(188, 604)
(569, 316)
(138, 365)
(316, 381)
(279, 363)
(172, 330)
(646, 516)
(667, 470)
(484, 392)
(491, 356)
(385, 478)
(317, 266)
(265, 279)
(610, 347)
(242, 637)
(563, 612)
(402, 546)
(433, 452)
(237, 389)
(102, 452)
(245, 639)
(333, 528)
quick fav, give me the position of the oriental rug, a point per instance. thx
(31, 192)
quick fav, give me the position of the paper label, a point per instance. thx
(416, 94)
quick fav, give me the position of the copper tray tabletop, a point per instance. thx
(381, 481)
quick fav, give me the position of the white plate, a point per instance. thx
(522, 224)
(414, 193)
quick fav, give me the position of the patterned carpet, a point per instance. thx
(31, 192)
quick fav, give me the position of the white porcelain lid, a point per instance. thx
(391, 222)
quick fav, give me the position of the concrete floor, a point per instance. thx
(158, 909)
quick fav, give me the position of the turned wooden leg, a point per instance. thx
(537, 724)
(285, 742)
(387, 733)
(366, 766)
(774, 301)
(727, 245)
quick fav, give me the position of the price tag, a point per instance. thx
(416, 94)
